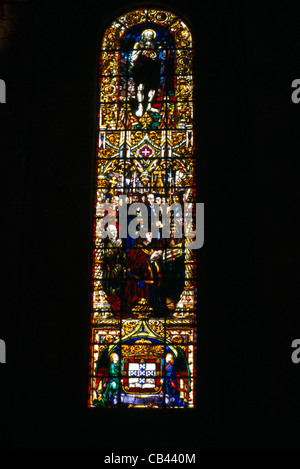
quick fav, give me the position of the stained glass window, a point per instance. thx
(143, 318)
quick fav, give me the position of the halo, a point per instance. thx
(148, 30)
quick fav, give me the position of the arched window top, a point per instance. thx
(172, 41)
(171, 22)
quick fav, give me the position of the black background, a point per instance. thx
(247, 140)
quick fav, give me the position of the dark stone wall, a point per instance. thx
(49, 61)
